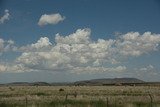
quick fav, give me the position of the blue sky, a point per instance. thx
(124, 35)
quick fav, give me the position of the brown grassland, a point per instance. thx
(80, 96)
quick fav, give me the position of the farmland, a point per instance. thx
(79, 96)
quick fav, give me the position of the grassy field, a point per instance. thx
(80, 96)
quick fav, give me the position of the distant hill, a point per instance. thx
(18, 84)
(40, 84)
(109, 81)
(26, 84)
(93, 82)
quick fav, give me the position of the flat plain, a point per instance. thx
(79, 96)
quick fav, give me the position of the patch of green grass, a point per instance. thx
(98, 103)
(9, 105)
(40, 94)
(3, 105)
(78, 103)
(69, 103)
(142, 104)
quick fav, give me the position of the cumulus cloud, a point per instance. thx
(5, 17)
(7, 45)
(135, 44)
(13, 68)
(1, 45)
(50, 19)
(81, 36)
(43, 44)
(147, 71)
(147, 68)
(78, 53)
(92, 69)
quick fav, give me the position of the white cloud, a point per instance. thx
(50, 19)
(148, 71)
(1, 45)
(13, 68)
(3, 68)
(43, 44)
(91, 69)
(81, 36)
(74, 51)
(6, 46)
(78, 53)
(5, 17)
(134, 44)
(147, 68)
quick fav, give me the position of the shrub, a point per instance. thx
(61, 89)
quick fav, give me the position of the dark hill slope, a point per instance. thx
(108, 81)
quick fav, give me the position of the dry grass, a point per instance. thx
(105, 95)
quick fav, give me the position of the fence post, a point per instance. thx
(115, 102)
(107, 102)
(66, 97)
(26, 101)
(66, 100)
(151, 98)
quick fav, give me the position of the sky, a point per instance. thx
(71, 40)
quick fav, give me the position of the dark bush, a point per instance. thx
(61, 89)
